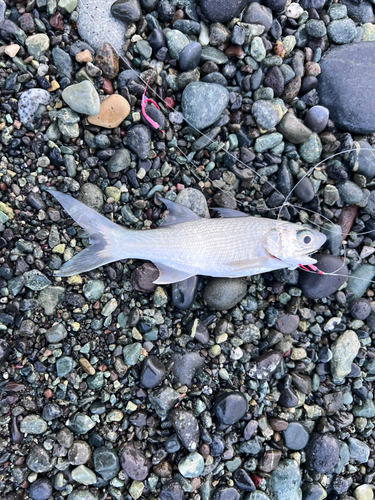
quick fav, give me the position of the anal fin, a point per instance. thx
(169, 275)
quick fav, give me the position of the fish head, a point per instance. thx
(293, 243)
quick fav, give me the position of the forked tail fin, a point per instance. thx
(106, 237)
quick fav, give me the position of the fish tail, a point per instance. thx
(106, 237)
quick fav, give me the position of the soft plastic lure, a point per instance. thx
(146, 100)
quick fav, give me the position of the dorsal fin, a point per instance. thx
(229, 213)
(177, 213)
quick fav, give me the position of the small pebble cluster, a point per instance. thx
(112, 387)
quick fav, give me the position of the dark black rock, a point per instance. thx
(276, 6)
(166, 10)
(258, 14)
(149, 5)
(316, 118)
(317, 286)
(5, 351)
(172, 444)
(190, 56)
(301, 382)
(138, 139)
(157, 40)
(338, 86)
(51, 411)
(230, 407)
(285, 181)
(304, 190)
(152, 373)
(222, 11)
(226, 494)
(275, 79)
(186, 427)
(155, 114)
(183, 292)
(171, 491)
(308, 83)
(41, 489)
(362, 159)
(296, 436)
(56, 157)
(243, 481)
(288, 397)
(127, 10)
(360, 308)
(322, 453)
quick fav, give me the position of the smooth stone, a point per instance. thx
(63, 62)
(222, 11)
(360, 12)
(172, 490)
(316, 118)
(64, 365)
(82, 98)
(184, 292)
(287, 323)
(195, 200)
(342, 31)
(267, 114)
(37, 45)
(316, 286)
(213, 55)
(359, 450)
(93, 289)
(132, 353)
(258, 14)
(363, 492)
(81, 495)
(152, 373)
(338, 86)
(106, 462)
(176, 42)
(5, 351)
(358, 287)
(186, 427)
(230, 407)
(83, 475)
(367, 410)
(127, 10)
(49, 298)
(190, 56)
(243, 481)
(226, 494)
(350, 193)
(293, 130)
(313, 491)
(267, 141)
(360, 308)
(344, 350)
(224, 293)
(38, 460)
(138, 139)
(304, 190)
(41, 489)
(113, 110)
(134, 463)
(157, 41)
(311, 149)
(285, 481)
(80, 423)
(107, 60)
(51, 411)
(79, 453)
(163, 400)
(191, 465)
(31, 103)
(185, 366)
(275, 80)
(121, 160)
(322, 453)
(265, 365)
(361, 159)
(203, 103)
(296, 436)
(33, 424)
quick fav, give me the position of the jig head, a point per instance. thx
(145, 100)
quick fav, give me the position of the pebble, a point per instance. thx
(315, 286)
(83, 475)
(152, 373)
(38, 460)
(176, 42)
(191, 465)
(222, 11)
(132, 353)
(226, 494)
(285, 481)
(190, 56)
(322, 453)
(230, 407)
(361, 159)
(163, 400)
(359, 451)
(258, 14)
(344, 351)
(311, 150)
(41, 489)
(80, 423)
(266, 365)
(267, 114)
(183, 292)
(91, 196)
(342, 31)
(113, 110)
(5, 351)
(186, 427)
(138, 140)
(224, 293)
(81, 495)
(349, 109)
(134, 463)
(32, 103)
(360, 308)
(185, 366)
(296, 436)
(305, 192)
(363, 492)
(79, 453)
(243, 481)
(172, 490)
(293, 130)
(350, 193)
(37, 45)
(33, 424)
(127, 10)
(82, 98)
(316, 118)
(203, 103)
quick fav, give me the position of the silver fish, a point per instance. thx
(187, 245)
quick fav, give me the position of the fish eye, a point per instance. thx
(304, 237)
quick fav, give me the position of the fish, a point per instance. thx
(185, 245)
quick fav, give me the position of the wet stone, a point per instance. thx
(82, 98)
(33, 424)
(243, 481)
(127, 10)
(296, 436)
(80, 423)
(230, 407)
(198, 331)
(267, 114)
(152, 373)
(203, 103)
(134, 463)
(64, 365)
(191, 465)
(5, 351)
(38, 460)
(258, 14)
(224, 293)
(360, 309)
(51, 411)
(322, 453)
(63, 62)
(171, 490)
(56, 333)
(359, 450)
(138, 139)
(186, 427)
(131, 353)
(316, 118)
(91, 196)
(315, 286)
(41, 489)
(362, 159)
(293, 130)
(185, 366)
(266, 365)
(269, 461)
(221, 10)
(107, 60)
(285, 481)
(106, 463)
(190, 56)
(287, 323)
(163, 400)
(79, 453)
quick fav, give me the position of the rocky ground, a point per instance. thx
(114, 388)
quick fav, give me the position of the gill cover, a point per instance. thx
(292, 243)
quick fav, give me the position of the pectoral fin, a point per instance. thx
(169, 275)
(177, 213)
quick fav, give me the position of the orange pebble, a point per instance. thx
(279, 49)
(48, 393)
